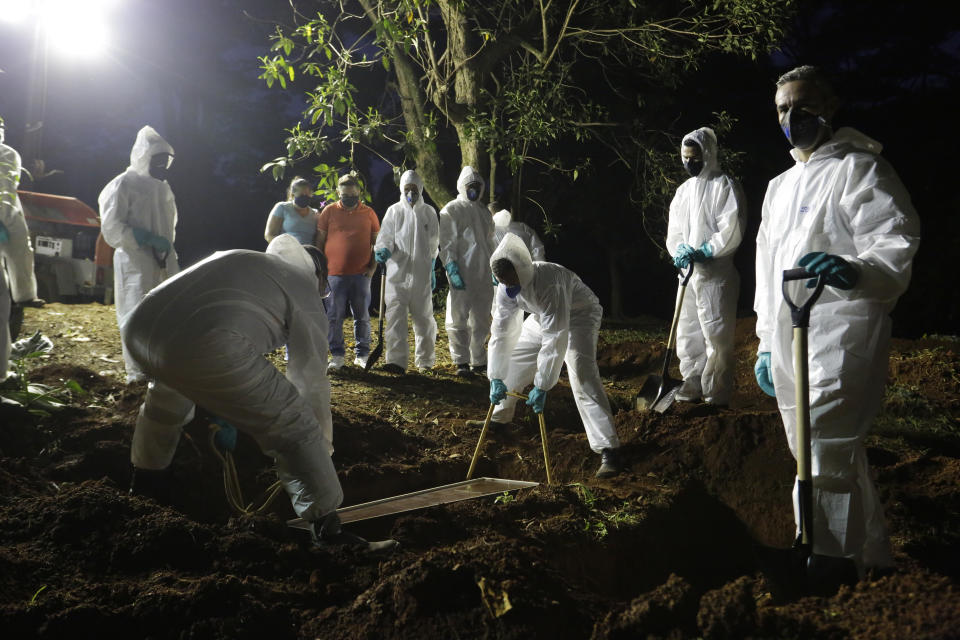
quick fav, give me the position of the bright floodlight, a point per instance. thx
(75, 27)
(15, 10)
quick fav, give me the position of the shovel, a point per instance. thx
(483, 436)
(378, 350)
(658, 392)
(812, 573)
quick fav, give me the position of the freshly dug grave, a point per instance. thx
(664, 550)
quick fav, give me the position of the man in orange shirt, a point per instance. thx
(346, 233)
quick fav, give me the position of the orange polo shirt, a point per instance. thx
(348, 237)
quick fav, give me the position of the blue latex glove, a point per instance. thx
(433, 279)
(536, 399)
(453, 274)
(142, 236)
(836, 271)
(704, 253)
(498, 391)
(684, 253)
(4, 234)
(225, 438)
(762, 372)
(382, 255)
(159, 243)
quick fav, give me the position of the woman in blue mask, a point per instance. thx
(296, 216)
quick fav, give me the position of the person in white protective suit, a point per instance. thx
(138, 217)
(466, 244)
(503, 223)
(841, 212)
(407, 246)
(562, 328)
(200, 337)
(16, 253)
(706, 227)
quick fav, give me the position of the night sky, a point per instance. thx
(190, 70)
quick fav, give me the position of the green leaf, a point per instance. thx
(386, 62)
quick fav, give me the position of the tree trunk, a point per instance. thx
(467, 83)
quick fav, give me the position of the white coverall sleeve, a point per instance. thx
(448, 239)
(433, 229)
(114, 212)
(766, 312)
(504, 333)
(555, 332)
(886, 231)
(674, 230)
(729, 230)
(9, 180)
(387, 232)
(307, 368)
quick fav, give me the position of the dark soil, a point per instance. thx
(662, 551)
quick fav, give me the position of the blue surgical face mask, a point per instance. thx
(473, 193)
(513, 292)
(302, 201)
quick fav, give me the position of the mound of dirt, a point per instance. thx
(664, 550)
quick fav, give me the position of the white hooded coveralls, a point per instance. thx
(135, 199)
(504, 223)
(201, 336)
(466, 237)
(411, 233)
(708, 208)
(16, 253)
(562, 327)
(848, 201)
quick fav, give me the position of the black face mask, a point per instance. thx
(158, 166)
(693, 167)
(350, 201)
(802, 128)
(302, 201)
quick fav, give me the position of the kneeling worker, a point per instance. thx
(562, 327)
(200, 337)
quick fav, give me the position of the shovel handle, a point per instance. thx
(800, 313)
(483, 436)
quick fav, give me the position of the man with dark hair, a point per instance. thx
(842, 213)
(346, 233)
(562, 328)
(705, 227)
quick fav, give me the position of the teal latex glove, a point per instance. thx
(145, 238)
(704, 253)
(762, 372)
(836, 271)
(382, 255)
(493, 279)
(684, 253)
(536, 399)
(4, 234)
(159, 243)
(453, 274)
(142, 236)
(498, 391)
(433, 279)
(225, 438)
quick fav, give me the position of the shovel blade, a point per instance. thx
(374, 356)
(656, 394)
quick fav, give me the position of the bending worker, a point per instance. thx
(705, 227)
(562, 327)
(15, 250)
(200, 338)
(407, 246)
(840, 212)
(138, 217)
(466, 244)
